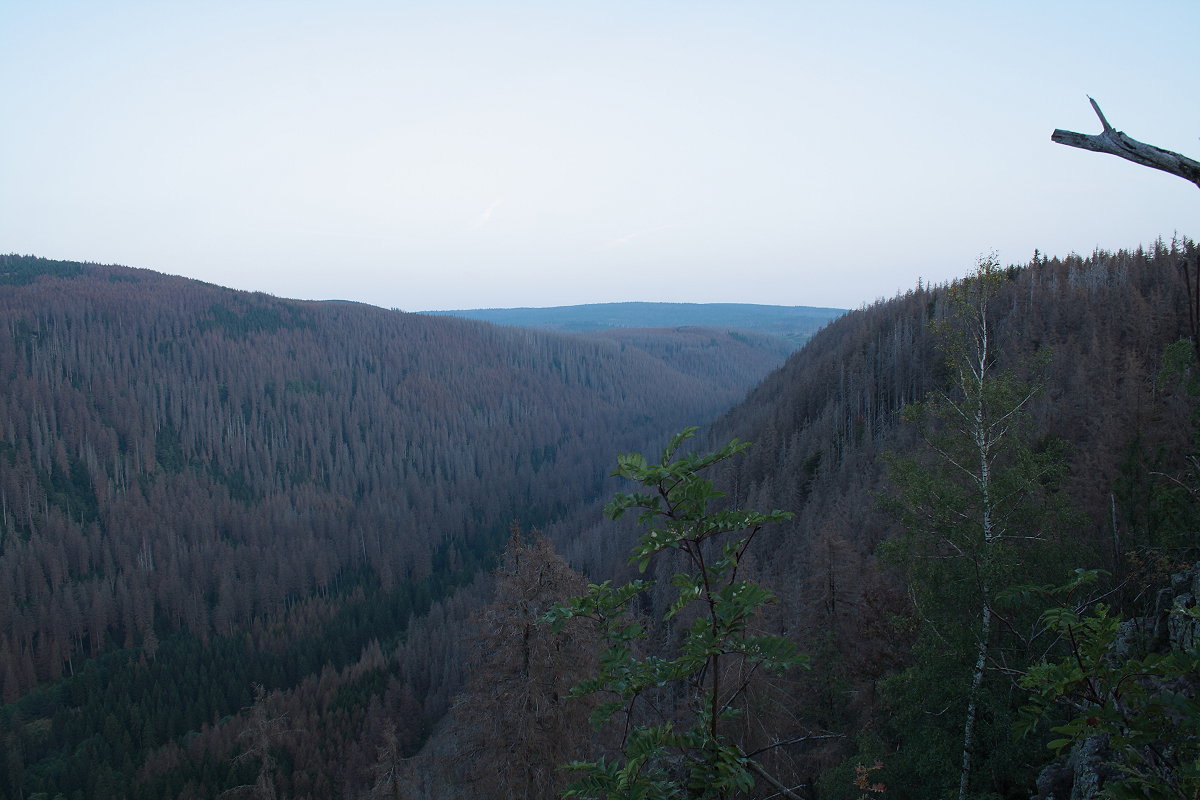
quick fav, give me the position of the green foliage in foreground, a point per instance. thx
(1124, 688)
(689, 757)
(1142, 704)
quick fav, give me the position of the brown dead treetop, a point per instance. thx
(1115, 142)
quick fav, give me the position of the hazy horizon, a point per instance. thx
(635, 302)
(527, 154)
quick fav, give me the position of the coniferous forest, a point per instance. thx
(270, 548)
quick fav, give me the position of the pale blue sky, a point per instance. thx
(454, 155)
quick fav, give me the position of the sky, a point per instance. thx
(450, 155)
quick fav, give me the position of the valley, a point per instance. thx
(222, 508)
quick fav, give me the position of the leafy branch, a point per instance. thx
(691, 757)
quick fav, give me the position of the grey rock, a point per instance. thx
(1087, 762)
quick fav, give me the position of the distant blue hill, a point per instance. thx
(793, 323)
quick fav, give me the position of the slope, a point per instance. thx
(821, 425)
(203, 489)
(823, 421)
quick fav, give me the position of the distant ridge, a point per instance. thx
(796, 324)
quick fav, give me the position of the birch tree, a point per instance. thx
(971, 506)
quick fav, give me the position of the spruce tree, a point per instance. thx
(513, 720)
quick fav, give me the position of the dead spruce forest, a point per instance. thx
(255, 547)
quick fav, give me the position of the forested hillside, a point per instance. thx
(733, 360)
(202, 490)
(205, 490)
(1089, 336)
(823, 425)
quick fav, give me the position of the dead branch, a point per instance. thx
(769, 778)
(1115, 142)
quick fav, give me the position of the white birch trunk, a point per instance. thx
(964, 777)
(982, 435)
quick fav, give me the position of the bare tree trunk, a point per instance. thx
(986, 431)
(964, 777)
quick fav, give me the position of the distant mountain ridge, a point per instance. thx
(796, 324)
